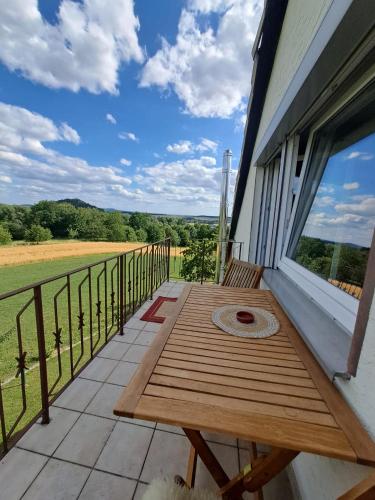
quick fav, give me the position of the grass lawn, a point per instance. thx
(59, 369)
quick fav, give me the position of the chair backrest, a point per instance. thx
(242, 274)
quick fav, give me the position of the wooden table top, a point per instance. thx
(264, 390)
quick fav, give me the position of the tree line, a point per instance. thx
(61, 220)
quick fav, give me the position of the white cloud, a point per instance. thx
(83, 49)
(207, 145)
(360, 155)
(40, 171)
(181, 147)
(324, 201)
(6, 179)
(208, 70)
(69, 134)
(366, 206)
(326, 188)
(23, 130)
(186, 182)
(125, 162)
(351, 185)
(184, 147)
(111, 118)
(128, 136)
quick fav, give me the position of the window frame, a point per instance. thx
(342, 307)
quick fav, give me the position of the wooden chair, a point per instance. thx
(242, 274)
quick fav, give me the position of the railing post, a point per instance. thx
(168, 258)
(42, 353)
(121, 295)
(152, 272)
(2, 421)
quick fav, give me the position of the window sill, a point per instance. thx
(326, 339)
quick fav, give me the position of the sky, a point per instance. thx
(126, 105)
(344, 206)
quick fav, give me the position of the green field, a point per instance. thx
(13, 343)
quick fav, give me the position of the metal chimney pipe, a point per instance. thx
(223, 217)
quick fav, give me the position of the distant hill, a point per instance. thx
(76, 202)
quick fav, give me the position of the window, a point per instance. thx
(334, 222)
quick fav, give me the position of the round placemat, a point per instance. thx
(265, 323)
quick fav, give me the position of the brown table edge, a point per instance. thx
(359, 439)
(132, 393)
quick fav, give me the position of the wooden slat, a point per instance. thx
(129, 398)
(273, 431)
(239, 393)
(227, 340)
(208, 360)
(250, 349)
(224, 379)
(274, 378)
(249, 407)
(234, 357)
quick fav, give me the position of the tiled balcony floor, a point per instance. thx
(86, 452)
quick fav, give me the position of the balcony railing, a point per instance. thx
(50, 330)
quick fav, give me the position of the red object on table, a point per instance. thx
(245, 317)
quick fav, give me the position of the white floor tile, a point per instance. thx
(167, 457)
(99, 369)
(123, 373)
(114, 350)
(78, 395)
(46, 438)
(104, 401)
(145, 338)
(125, 450)
(17, 471)
(103, 486)
(58, 481)
(135, 353)
(86, 439)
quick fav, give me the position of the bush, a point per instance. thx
(36, 234)
(141, 235)
(5, 236)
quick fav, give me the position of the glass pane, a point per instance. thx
(337, 234)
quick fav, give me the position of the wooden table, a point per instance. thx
(271, 390)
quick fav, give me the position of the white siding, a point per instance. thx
(244, 220)
(301, 22)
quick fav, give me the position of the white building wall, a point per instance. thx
(316, 477)
(244, 220)
(301, 22)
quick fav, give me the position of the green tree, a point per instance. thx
(199, 262)
(91, 224)
(5, 236)
(141, 235)
(115, 226)
(130, 234)
(155, 232)
(138, 220)
(172, 234)
(184, 235)
(37, 233)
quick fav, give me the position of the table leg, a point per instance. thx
(258, 495)
(263, 471)
(207, 457)
(192, 467)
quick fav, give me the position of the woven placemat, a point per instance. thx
(265, 323)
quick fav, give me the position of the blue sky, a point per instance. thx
(129, 107)
(344, 207)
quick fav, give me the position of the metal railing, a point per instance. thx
(54, 328)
